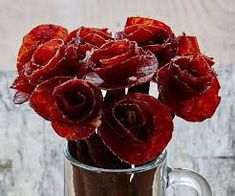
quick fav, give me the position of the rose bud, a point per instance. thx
(189, 86)
(152, 35)
(119, 64)
(188, 45)
(136, 127)
(73, 106)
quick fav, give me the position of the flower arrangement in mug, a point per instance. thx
(62, 74)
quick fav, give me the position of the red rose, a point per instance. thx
(189, 86)
(119, 64)
(41, 57)
(152, 35)
(139, 122)
(72, 105)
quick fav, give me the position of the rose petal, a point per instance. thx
(138, 34)
(188, 45)
(73, 132)
(22, 84)
(131, 21)
(94, 39)
(200, 107)
(112, 49)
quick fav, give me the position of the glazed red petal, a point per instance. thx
(187, 45)
(112, 49)
(103, 32)
(24, 56)
(147, 35)
(168, 94)
(149, 141)
(43, 101)
(94, 39)
(200, 107)
(73, 132)
(117, 59)
(34, 38)
(133, 151)
(138, 34)
(22, 84)
(131, 21)
(72, 55)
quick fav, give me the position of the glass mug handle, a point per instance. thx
(178, 176)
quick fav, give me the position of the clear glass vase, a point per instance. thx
(151, 179)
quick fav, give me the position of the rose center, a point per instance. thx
(74, 99)
(73, 103)
(132, 118)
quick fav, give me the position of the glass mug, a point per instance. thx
(151, 179)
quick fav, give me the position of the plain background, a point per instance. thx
(211, 20)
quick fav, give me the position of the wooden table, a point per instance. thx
(31, 158)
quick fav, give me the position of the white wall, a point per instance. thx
(211, 20)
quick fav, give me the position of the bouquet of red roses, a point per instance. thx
(94, 87)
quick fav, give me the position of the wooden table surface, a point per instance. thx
(31, 158)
